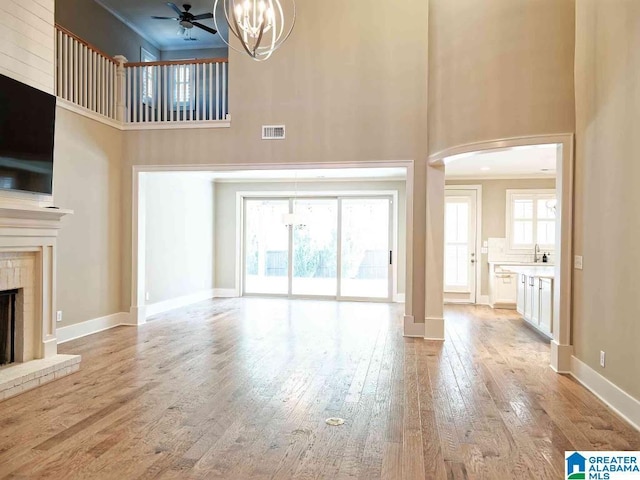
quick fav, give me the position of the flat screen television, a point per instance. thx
(27, 123)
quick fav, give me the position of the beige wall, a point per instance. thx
(607, 224)
(179, 235)
(494, 204)
(87, 175)
(499, 69)
(354, 97)
(226, 224)
(26, 42)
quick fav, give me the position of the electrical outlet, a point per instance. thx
(577, 262)
(602, 358)
(147, 296)
(59, 316)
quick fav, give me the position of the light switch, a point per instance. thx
(577, 262)
(484, 250)
(485, 244)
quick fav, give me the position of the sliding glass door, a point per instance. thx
(333, 247)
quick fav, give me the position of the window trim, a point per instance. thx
(534, 194)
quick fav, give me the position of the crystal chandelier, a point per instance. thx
(261, 26)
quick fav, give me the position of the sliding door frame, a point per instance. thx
(391, 195)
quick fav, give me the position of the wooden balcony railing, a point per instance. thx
(139, 93)
(176, 91)
(85, 75)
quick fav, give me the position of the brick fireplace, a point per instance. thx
(27, 268)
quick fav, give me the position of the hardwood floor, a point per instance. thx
(241, 388)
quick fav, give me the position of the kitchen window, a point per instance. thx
(531, 219)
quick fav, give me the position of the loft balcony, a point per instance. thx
(141, 95)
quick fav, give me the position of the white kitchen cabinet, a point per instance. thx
(528, 298)
(535, 301)
(503, 287)
(545, 319)
(520, 296)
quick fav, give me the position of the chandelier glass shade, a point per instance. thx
(261, 26)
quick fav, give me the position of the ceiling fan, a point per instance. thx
(187, 20)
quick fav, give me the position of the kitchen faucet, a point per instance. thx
(536, 252)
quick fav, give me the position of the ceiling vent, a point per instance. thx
(273, 132)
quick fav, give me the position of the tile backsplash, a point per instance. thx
(498, 252)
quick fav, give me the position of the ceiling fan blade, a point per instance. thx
(164, 18)
(203, 16)
(175, 8)
(204, 27)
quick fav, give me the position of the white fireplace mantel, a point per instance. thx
(32, 217)
(28, 236)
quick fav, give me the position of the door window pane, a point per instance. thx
(457, 261)
(266, 247)
(365, 248)
(315, 247)
(456, 265)
(457, 222)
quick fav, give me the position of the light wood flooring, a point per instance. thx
(241, 388)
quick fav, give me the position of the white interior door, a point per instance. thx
(460, 256)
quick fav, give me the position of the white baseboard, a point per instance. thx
(225, 293)
(399, 298)
(434, 328)
(617, 399)
(560, 355)
(95, 325)
(412, 329)
(178, 302)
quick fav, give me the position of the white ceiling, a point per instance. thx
(322, 174)
(163, 33)
(516, 162)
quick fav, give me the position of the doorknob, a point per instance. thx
(473, 261)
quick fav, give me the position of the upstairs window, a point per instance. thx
(531, 219)
(183, 80)
(148, 76)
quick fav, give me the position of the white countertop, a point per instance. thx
(532, 269)
(528, 264)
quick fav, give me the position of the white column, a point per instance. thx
(121, 89)
(434, 261)
(47, 269)
(416, 249)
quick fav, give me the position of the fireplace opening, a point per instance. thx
(8, 326)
